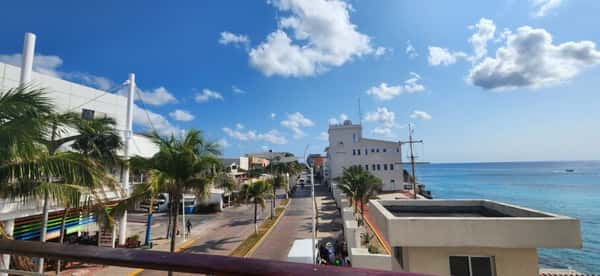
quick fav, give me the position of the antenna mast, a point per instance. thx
(412, 159)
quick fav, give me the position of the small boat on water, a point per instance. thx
(569, 170)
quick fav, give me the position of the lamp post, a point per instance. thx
(314, 211)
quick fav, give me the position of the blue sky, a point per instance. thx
(478, 84)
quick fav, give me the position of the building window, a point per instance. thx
(358, 152)
(391, 167)
(367, 167)
(372, 150)
(378, 167)
(87, 114)
(373, 167)
(385, 167)
(384, 149)
(354, 137)
(471, 266)
(366, 151)
(397, 149)
(353, 152)
(377, 150)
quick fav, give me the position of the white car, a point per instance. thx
(301, 253)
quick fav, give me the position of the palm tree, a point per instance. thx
(227, 183)
(185, 164)
(255, 193)
(30, 166)
(359, 186)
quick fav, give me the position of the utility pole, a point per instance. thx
(412, 159)
(314, 211)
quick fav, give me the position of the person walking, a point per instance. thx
(188, 226)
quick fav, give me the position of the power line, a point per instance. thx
(145, 109)
(97, 97)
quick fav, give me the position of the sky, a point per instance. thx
(480, 80)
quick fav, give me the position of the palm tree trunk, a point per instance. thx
(174, 225)
(273, 200)
(255, 211)
(62, 236)
(40, 264)
(170, 214)
(149, 223)
(362, 210)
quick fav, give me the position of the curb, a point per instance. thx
(180, 247)
(260, 241)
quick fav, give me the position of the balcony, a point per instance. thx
(176, 262)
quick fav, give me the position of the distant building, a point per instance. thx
(467, 237)
(347, 147)
(317, 162)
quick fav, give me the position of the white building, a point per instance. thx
(347, 147)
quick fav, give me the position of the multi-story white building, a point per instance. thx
(347, 147)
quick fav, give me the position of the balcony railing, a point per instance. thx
(177, 262)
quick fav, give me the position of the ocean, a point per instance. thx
(544, 186)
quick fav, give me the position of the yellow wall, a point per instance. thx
(435, 260)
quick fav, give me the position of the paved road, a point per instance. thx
(297, 223)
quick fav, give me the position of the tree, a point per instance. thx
(255, 193)
(359, 186)
(31, 168)
(226, 182)
(185, 164)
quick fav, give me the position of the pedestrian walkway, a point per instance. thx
(296, 223)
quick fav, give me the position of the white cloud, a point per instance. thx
(295, 122)
(542, 7)
(264, 148)
(380, 51)
(384, 92)
(181, 115)
(322, 37)
(153, 121)
(158, 96)
(442, 56)
(273, 115)
(485, 30)
(335, 121)
(235, 39)
(382, 116)
(531, 59)
(383, 131)
(237, 90)
(323, 136)
(223, 143)
(239, 126)
(207, 95)
(101, 83)
(420, 115)
(272, 136)
(411, 52)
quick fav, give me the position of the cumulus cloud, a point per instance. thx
(420, 115)
(237, 90)
(207, 95)
(323, 136)
(410, 50)
(273, 115)
(531, 59)
(158, 96)
(239, 126)
(382, 116)
(272, 136)
(542, 7)
(181, 115)
(235, 39)
(336, 121)
(442, 56)
(153, 121)
(312, 36)
(485, 30)
(223, 143)
(295, 122)
(384, 92)
(383, 131)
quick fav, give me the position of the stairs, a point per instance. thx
(107, 237)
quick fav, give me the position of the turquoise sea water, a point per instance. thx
(545, 186)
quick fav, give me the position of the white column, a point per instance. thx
(9, 228)
(128, 137)
(28, 54)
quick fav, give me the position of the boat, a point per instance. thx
(569, 170)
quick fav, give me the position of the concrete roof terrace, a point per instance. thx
(472, 223)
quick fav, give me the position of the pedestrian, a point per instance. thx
(188, 226)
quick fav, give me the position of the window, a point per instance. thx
(353, 152)
(373, 167)
(399, 255)
(366, 151)
(372, 150)
(367, 167)
(384, 150)
(385, 167)
(358, 152)
(377, 150)
(397, 149)
(391, 167)
(471, 266)
(378, 167)
(87, 114)
(354, 137)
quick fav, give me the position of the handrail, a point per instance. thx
(178, 262)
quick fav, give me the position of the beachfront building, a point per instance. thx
(469, 237)
(21, 219)
(382, 158)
